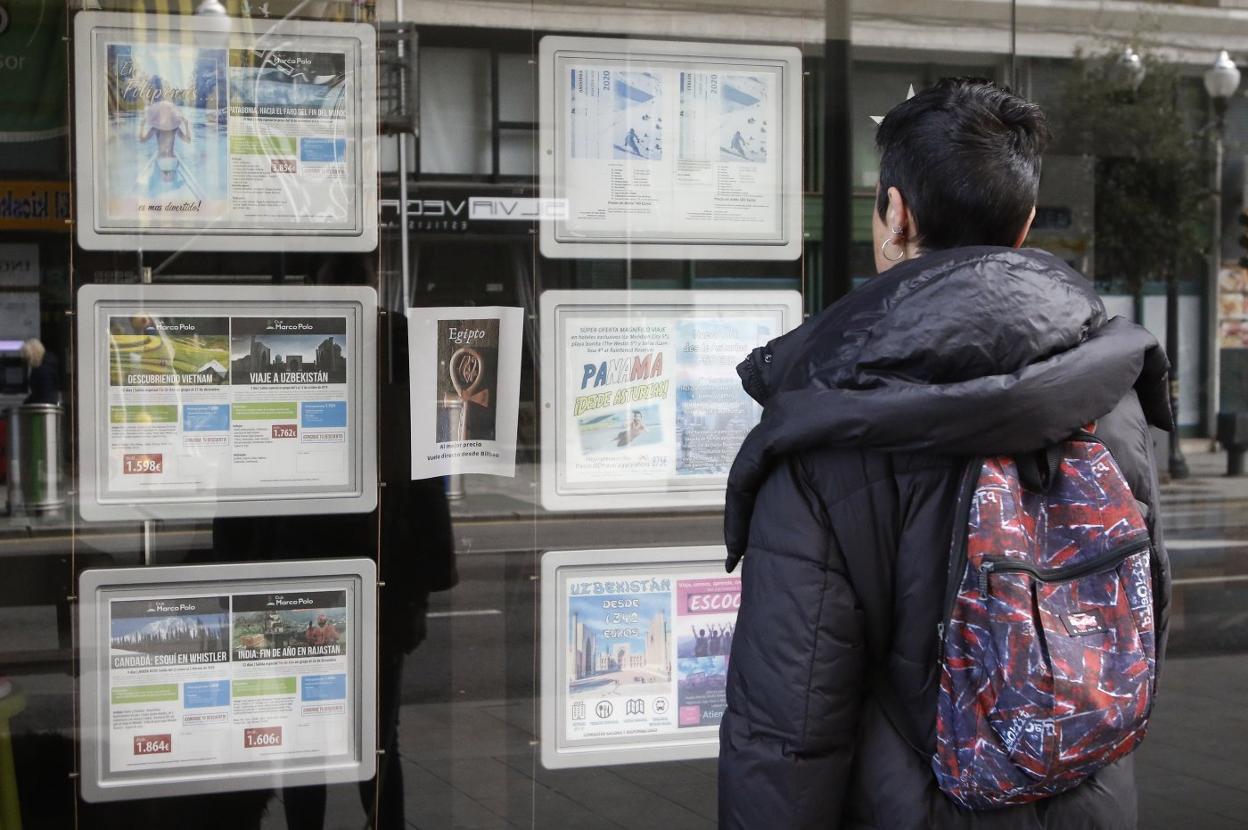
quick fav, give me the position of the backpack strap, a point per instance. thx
(1036, 470)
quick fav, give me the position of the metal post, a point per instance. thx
(149, 526)
(1178, 464)
(404, 253)
(1213, 391)
(838, 154)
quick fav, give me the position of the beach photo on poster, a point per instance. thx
(619, 429)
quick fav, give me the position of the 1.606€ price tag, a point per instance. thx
(258, 736)
(152, 744)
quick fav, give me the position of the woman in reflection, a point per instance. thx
(413, 542)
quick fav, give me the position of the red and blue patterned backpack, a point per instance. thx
(1047, 647)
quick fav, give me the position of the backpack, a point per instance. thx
(1047, 651)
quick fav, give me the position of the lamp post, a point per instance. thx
(1221, 82)
(1127, 73)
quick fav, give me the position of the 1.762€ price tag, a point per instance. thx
(152, 744)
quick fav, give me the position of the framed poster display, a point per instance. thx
(215, 678)
(195, 403)
(635, 649)
(670, 150)
(256, 135)
(641, 403)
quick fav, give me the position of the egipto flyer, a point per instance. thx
(223, 679)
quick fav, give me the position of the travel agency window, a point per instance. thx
(372, 464)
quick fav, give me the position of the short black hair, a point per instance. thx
(965, 154)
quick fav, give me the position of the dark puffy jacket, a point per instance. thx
(841, 503)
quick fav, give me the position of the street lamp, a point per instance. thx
(1221, 82)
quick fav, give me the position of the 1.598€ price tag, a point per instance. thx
(142, 463)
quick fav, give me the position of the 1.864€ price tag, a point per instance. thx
(152, 744)
(258, 736)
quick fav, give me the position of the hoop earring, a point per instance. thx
(901, 252)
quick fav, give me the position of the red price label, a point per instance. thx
(153, 744)
(142, 464)
(285, 430)
(258, 736)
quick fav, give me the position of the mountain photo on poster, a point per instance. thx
(467, 380)
(616, 114)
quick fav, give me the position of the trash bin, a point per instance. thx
(35, 484)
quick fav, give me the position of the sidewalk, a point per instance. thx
(495, 498)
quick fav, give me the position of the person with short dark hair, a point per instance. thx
(841, 502)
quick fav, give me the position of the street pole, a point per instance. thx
(1178, 464)
(1212, 340)
(838, 202)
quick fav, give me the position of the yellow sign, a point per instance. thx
(34, 206)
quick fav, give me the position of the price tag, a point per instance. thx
(153, 744)
(142, 464)
(258, 736)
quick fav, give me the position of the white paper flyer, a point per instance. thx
(465, 389)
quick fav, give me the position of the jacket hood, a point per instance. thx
(971, 351)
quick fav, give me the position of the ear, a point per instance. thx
(1022, 237)
(897, 215)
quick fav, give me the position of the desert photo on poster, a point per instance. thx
(467, 380)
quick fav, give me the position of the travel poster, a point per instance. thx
(219, 679)
(646, 653)
(646, 398)
(669, 150)
(198, 132)
(203, 403)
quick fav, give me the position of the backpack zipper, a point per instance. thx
(1106, 561)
